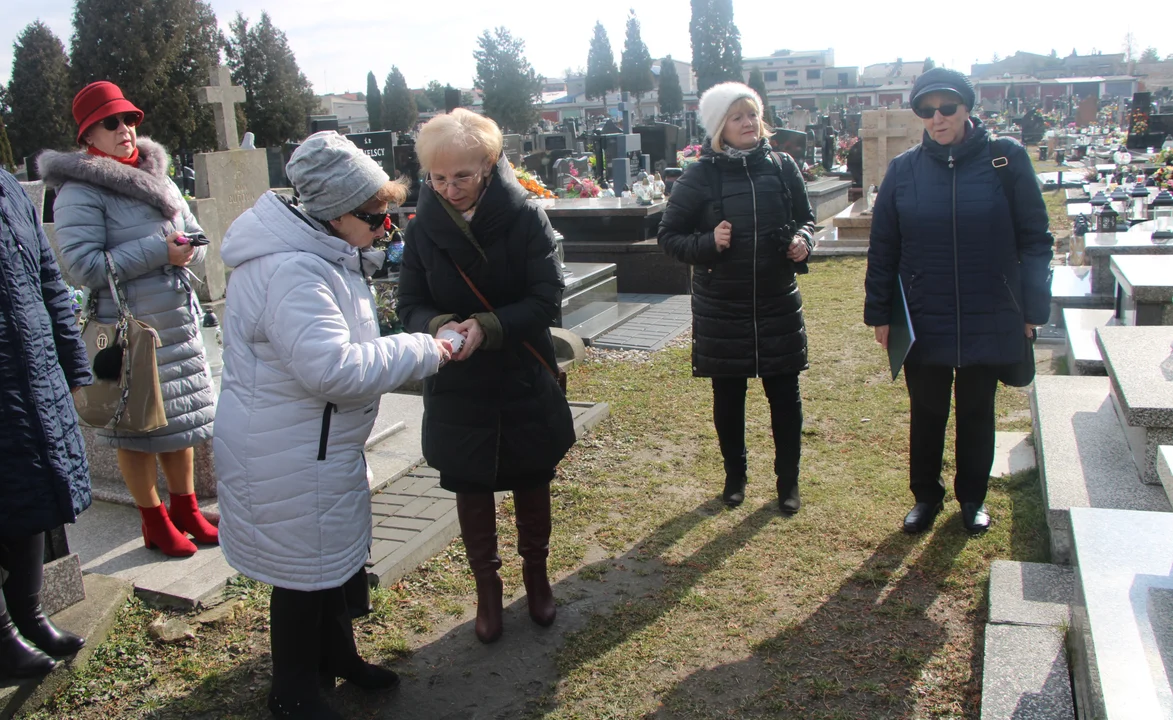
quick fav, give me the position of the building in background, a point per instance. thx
(350, 109)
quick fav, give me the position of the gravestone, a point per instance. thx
(800, 117)
(513, 148)
(885, 134)
(791, 142)
(379, 146)
(228, 182)
(1089, 107)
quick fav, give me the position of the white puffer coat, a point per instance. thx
(304, 368)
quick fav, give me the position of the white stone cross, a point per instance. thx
(223, 96)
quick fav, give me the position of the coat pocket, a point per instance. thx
(324, 440)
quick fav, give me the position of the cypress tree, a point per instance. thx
(374, 103)
(39, 93)
(635, 70)
(671, 94)
(716, 43)
(399, 109)
(278, 96)
(510, 86)
(602, 75)
(757, 81)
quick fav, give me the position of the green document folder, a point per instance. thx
(901, 336)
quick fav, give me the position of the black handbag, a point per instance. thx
(1021, 373)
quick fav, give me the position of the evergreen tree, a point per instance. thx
(374, 103)
(602, 75)
(160, 53)
(39, 93)
(6, 160)
(509, 84)
(1150, 55)
(929, 64)
(399, 110)
(278, 97)
(635, 68)
(716, 43)
(671, 95)
(423, 101)
(757, 81)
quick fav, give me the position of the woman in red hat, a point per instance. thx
(115, 198)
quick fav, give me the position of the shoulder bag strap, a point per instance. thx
(488, 306)
(1001, 162)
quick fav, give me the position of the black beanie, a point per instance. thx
(939, 79)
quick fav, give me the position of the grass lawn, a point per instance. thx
(672, 606)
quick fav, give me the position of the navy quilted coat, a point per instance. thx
(943, 223)
(44, 476)
(746, 308)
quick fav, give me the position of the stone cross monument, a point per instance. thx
(223, 97)
(885, 134)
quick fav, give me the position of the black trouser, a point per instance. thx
(785, 420)
(929, 388)
(23, 561)
(311, 636)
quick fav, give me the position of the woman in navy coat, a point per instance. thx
(976, 273)
(44, 476)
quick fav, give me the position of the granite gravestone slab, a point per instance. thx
(1141, 392)
(1089, 107)
(228, 182)
(885, 134)
(1144, 289)
(379, 146)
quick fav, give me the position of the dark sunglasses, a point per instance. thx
(375, 220)
(111, 123)
(925, 112)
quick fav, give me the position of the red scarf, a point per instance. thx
(131, 161)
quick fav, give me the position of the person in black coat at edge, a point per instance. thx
(740, 216)
(44, 478)
(480, 261)
(975, 278)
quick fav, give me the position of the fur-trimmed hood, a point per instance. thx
(149, 182)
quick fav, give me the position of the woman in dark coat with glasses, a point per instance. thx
(480, 261)
(975, 269)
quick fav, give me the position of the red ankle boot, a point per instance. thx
(159, 532)
(186, 515)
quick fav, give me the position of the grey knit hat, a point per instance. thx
(332, 176)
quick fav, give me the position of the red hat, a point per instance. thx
(96, 102)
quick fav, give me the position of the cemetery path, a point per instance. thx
(671, 607)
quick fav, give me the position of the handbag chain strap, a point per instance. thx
(122, 335)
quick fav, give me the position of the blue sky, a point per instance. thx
(338, 41)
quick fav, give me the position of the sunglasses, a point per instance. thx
(926, 112)
(375, 220)
(128, 119)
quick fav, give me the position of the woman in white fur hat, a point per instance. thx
(742, 219)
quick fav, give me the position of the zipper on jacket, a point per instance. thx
(331, 409)
(1012, 298)
(956, 263)
(754, 192)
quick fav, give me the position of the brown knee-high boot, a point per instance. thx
(477, 513)
(533, 544)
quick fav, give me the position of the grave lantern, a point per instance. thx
(1099, 200)
(1138, 206)
(1106, 219)
(1120, 199)
(1161, 211)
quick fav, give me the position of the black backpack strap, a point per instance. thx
(1000, 150)
(776, 161)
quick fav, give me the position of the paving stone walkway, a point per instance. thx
(667, 317)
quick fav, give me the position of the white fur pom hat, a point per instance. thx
(718, 99)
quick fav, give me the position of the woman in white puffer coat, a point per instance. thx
(304, 369)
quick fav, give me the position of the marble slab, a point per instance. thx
(1024, 674)
(599, 207)
(1165, 468)
(1143, 395)
(1084, 456)
(1100, 247)
(1147, 278)
(1122, 618)
(1083, 354)
(1030, 593)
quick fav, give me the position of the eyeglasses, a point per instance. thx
(926, 112)
(375, 220)
(460, 182)
(128, 119)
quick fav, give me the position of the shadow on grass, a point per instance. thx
(857, 655)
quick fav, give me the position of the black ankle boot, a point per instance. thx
(19, 658)
(789, 501)
(734, 492)
(372, 677)
(41, 631)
